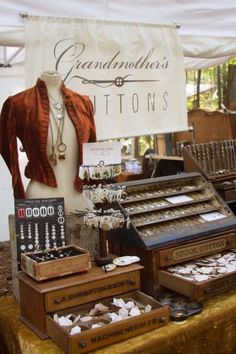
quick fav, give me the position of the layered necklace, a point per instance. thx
(58, 147)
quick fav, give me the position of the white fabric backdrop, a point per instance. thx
(133, 72)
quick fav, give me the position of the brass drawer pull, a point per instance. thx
(208, 291)
(162, 319)
(58, 301)
(132, 281)
(82, 344)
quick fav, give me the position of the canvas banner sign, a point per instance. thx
(132, 72)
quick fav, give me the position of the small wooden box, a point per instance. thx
(37, 299)
(78, 262)
(91, 339)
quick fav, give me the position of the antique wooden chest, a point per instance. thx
(174, 219)
(39, 301)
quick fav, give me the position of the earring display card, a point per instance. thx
(40, 225)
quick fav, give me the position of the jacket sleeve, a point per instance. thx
(8, 146)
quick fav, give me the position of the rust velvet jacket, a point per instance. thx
(26, 116)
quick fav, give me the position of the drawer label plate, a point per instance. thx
(199, 249)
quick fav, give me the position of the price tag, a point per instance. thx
(103, 153)
(212, 216)
(179, 199)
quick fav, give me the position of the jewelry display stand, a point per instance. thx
(173, 220)
(216, 161)
(103, 197)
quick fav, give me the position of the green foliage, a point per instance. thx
(217, 78)
(144, 143)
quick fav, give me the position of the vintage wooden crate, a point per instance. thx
(76, 261)
(164, 233)
(37, 299)
(90, 339)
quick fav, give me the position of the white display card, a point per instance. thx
(179, 199)
(215, 215)
(105, 153)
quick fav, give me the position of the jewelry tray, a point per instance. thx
(57, 262)
(172, 209)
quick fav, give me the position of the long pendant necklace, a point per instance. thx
(58, 105)
(58, 147)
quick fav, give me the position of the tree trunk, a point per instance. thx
(198, 88)
(231, 92)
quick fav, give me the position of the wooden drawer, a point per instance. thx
(91, 339)
(198, 290)
(175, 255)
(97, 289)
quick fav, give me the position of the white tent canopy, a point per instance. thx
(207, 28)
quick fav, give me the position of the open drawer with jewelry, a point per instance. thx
(172, 220)
(216, 160)
(97, 324)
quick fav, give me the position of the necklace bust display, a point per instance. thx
(51, 123)
(62, 149)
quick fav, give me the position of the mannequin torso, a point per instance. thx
(65, 169)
